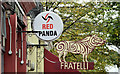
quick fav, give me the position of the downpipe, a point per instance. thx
(22, 62)
(10, 51)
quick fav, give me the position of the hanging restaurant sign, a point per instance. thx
(49, 24)
(84, 47)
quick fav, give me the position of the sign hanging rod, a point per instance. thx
(30, 31)
(37, 45)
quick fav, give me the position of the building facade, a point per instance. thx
(34, 51)
(12, 40)
(21, 50)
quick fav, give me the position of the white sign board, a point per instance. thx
(49, 24)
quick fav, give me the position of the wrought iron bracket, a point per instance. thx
(37, 45)
(29, 31)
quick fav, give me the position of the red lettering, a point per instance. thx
(51, 26)
(47, 26)
(43, 26)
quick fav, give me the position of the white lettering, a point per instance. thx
(74, 64)
(66, 65)
(78, 65)
(70, 66)
(62, 65)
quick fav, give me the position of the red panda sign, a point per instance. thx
(49, 24)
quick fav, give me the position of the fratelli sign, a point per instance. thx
(84, 47)
(49, 24)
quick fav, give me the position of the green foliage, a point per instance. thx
(94, 18)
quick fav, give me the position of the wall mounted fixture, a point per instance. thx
(22, 62)
(10, 51)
